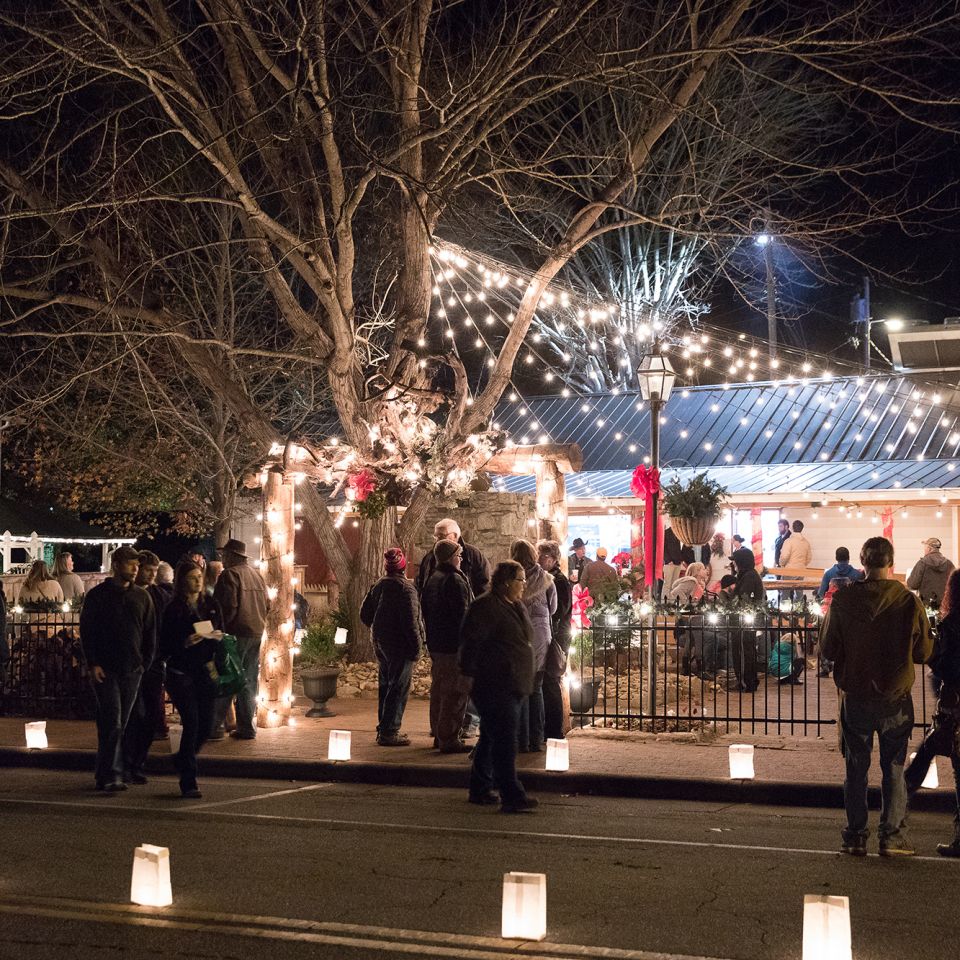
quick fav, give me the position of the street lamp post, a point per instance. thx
(656, 383)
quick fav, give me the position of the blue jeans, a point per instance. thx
(194, 702)
(530, 730)
(495, 756)
(471, 719)
(893, 724)
(142, 723)
(249, 650)
(116, 695)
(394, 688)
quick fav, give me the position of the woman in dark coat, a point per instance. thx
(497, 660)
(391, 609)
(191, 676)
(561, 635)
(945, 666)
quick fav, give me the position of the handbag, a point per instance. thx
(228, 668)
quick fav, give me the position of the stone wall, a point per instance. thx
(491, 521)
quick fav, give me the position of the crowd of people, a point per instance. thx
(498, 642)
(148, 628)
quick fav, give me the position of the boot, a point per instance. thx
(951, 849)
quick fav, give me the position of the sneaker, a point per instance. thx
(487, 799)
(949, 849)
(191, 793)
(526, 805)
(118, 786)
(854, 848)
(137, 779)
(394, 740)
(896, 847)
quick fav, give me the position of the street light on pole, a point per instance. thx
(656, 377)
(893, 324)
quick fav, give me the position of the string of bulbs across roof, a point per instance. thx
(472, 282)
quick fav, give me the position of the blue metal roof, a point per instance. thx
(793, 478)
(867, 422)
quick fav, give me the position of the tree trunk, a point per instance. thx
(275, 692)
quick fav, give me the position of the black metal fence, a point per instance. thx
(757, 672)
(45, 675)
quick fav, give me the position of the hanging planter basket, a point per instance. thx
(694, 531)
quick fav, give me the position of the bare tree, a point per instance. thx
(344, 135)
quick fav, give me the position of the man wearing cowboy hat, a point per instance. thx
(577, 560)
(242, 596)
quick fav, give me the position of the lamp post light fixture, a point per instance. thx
(656, 378)
(893, 324)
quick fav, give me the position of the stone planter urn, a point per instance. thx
(320, 685)
(584, 698)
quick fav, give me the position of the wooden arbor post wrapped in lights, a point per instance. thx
(548, 462)
(275, 693)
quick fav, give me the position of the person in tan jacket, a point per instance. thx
(796, 551)
(242, 595)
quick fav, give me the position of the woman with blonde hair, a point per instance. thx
(691, 585)
(71, 585)
(40, 585)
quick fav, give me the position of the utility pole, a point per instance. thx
(867, 320)
(771, 297)
(860, 317)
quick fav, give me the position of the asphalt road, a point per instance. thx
(288, 870)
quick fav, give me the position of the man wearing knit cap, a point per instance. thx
(445, 598)
(473, 564)
(391, 609)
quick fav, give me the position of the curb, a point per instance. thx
(707, 789)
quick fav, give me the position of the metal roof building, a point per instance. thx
(877, 434)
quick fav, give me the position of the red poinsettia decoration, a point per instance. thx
(362, 484)
(621, 560)
(582, 602)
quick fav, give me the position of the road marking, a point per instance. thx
(458, 831)
(389, 939)
(259, 796)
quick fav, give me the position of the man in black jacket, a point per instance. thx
(119, 638)
(444, 601)
(473, 564)
(391, 609)
(147, 718)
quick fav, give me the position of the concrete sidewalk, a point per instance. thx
(798, 771)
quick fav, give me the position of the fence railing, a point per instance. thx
(740, 672)
(45, 675)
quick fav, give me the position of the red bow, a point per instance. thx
(646, 483)
(582, 602)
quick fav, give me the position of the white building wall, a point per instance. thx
(831, 529)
